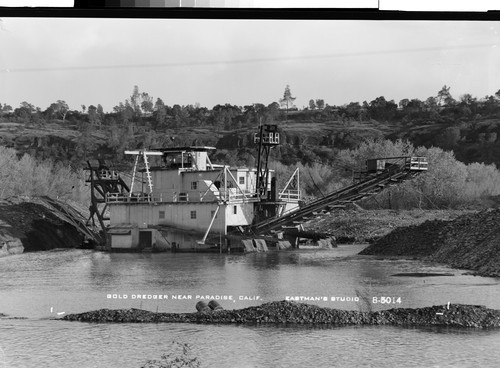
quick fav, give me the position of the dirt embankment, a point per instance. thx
(355, 225)
(471, 241)
(28, 227)
(284, 312)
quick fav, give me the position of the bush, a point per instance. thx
(448, 183)
(180, 357)
(26, 176)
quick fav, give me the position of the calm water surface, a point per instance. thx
(46, 285)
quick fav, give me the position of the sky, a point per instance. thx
(186, 61)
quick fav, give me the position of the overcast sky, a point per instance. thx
(92, 61)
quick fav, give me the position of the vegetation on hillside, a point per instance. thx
(26, 176)
(459, 138)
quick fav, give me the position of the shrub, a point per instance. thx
(180, 357)
(26, 176)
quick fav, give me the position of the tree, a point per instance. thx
(94, 117)
(380, 108)
(5, 109)
(60, 108)
(100, 112)
(24, 112)
(124, 111)
(312, 104)
(160, 112)
(287, 100)
(147, 103)
(444, 97)
(403, 103)
(135, 101)
(449, 138)
(273, 111)
(468, 104)
(353, 110)
(320, 104)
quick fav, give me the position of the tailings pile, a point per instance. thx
(28, 226)
(470, 241)
(285, 312)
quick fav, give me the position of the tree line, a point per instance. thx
(142, 109)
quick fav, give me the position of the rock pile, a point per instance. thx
(285, 312)
(470, 241)
(9, 245)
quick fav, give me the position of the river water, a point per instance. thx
(42, 286)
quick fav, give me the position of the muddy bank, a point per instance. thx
(285, 312)
(26, 226)
(471, 241)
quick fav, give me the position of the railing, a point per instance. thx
(230, 195)
(417, 164)
(289, 195)
(108, 174)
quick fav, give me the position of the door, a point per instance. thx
(145, 239)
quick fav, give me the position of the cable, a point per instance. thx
(242, 61)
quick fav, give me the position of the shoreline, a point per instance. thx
(292, 313)
(461, 239)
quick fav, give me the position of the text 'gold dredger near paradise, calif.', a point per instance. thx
(175, 297)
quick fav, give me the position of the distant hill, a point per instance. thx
(307, 136)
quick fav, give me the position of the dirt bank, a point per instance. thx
(28, 226)
(284, 312)
(471, 241)
(355, 225)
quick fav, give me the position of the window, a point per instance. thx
(194, 185)
(242, 180)
(193, 215)
(161, 214)
(235, 209)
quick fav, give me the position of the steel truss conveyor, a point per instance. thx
(379, 174)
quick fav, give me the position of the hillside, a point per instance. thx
(328, 143)
(306, 141)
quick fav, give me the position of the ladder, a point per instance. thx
(133, 176)
(148, 173)
(144, 155)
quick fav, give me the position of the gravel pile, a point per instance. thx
(285, 312)
(363, 226)
(28, 226)
(470, 241)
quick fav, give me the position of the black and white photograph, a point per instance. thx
(249, 191)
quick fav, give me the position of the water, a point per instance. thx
(46, 285)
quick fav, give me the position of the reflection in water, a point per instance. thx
(77, 281)
(40, 285)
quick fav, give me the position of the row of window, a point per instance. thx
(161, 214)
(194, 184)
